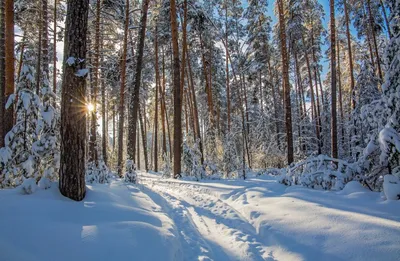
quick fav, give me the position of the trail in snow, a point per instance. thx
(221, 220)
(207, 223)
(259, 219)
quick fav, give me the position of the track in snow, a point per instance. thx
(209, 228)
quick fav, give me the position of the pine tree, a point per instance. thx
(73, 108)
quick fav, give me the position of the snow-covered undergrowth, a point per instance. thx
(98, 174)
(115, 222)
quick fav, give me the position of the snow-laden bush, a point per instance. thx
(321, 172)
(130, 174)
(28, 186)
(191, 161)
(98, 173)
(166, 168)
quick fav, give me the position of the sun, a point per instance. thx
(90, 107)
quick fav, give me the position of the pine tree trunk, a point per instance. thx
(349, 48)
(134, 101)
(9, 63)
(55, 48)
(144, 140)
(104, 115)
(228, 99)
(286, 84)
(177, 93)
(45, 43)
(372, 25)
(21, 58)
(333, 82)
(73, 113)
(163, 119)
(39, 52)
(340, 94)
(122, 92)
(93, 126)
(2, 75)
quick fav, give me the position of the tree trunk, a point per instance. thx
(286, 84)
(93, 126)
(177, 93)
(349, 48)
(372, 25)
(3, 130)
(163, 119)
(104, 118)
(55, 48)
(228, 99)
(73, 111)
(122, 92)
(340, 94)
(156, 102)
(144, 140)
(45, 43)
(134, 101)
(39, 53)
(9, 63)
(333, 82)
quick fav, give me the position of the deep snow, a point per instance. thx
(164, 219)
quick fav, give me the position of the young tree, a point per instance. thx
(73, 107)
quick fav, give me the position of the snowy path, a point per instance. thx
(222, 220)
(259, 219)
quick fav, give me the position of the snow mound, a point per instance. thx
(353, 187)
(391, 187)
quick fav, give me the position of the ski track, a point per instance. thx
(212, 228)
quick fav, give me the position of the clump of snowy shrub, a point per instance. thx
(166, 168)
(98, 173)
(28, 186)
(130, 174)
(321, 172)
(191, 156)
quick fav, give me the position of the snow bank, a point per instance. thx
(115, 222)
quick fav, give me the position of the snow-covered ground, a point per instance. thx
(164, 219)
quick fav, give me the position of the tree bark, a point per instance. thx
(156, 102)
(73, 109)
(349, 48)
(122, 92)
(94, 156)
(45, 43)
(372, 25)
(9, 63)
(55, 48)
(177, 93)
(333, 82)
(134, 101)
(2, 75)
(286, 84)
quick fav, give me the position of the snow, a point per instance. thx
(166, 219)
(391, 187)
(82, 72)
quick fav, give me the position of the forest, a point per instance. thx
(212, 130)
